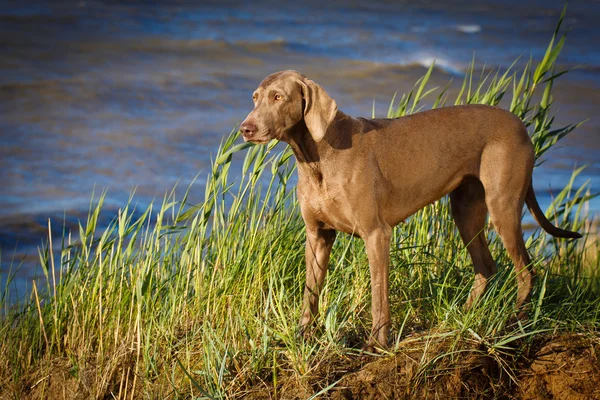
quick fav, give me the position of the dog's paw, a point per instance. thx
(372, 349)
(368, 348)
(304, 332)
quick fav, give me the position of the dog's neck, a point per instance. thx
(307, 153)
(310, 154)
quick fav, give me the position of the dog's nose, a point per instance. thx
(248, 128)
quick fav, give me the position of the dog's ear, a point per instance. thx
(319, 109)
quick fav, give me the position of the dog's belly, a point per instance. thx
(405, 203)
(347, 210)
(417, 183)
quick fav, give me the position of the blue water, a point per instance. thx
(119, 95)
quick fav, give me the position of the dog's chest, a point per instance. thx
(330, 205)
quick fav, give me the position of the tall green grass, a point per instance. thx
(202, 300)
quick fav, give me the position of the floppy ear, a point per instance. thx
(319, 109)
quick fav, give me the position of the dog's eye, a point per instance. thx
(278, 97)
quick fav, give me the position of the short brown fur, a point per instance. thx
(364, 176)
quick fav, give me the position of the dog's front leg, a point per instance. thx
(378, 252)
(318, 248)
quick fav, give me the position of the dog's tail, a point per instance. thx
(538, 215)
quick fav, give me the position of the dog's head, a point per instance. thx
(281, 102)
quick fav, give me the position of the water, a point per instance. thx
(119, 95)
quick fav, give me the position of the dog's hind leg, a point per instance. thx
(506, 175)
(470, 211)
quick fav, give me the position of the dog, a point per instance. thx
(364, 176)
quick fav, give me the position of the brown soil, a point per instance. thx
(552, 367)
(566, 368)
(560, 367)
(58, 379)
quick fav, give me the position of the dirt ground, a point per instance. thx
(554, 367)
(557, 367)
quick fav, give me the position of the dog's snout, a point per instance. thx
(248, 128)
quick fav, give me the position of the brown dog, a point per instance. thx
(364, 176)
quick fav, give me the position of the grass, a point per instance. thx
(202, 300)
